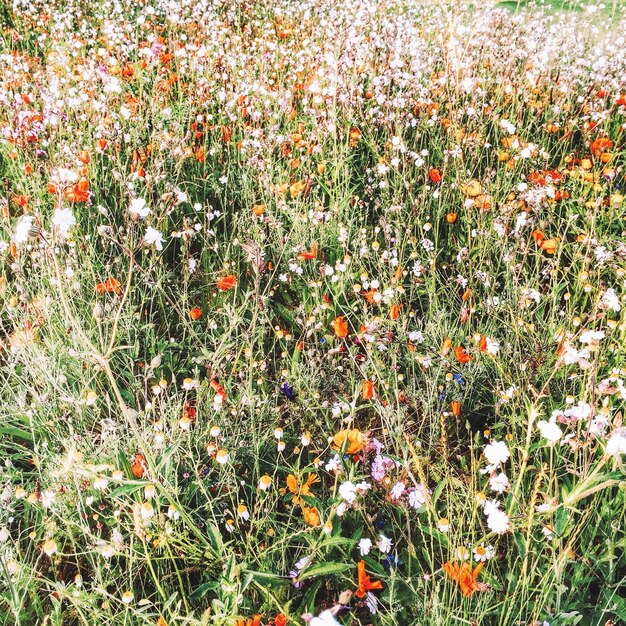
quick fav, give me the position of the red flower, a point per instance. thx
(227, 282)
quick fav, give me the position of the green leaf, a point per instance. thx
(265, 579)
(520, 542)
(437, 492)
(561, 521)
(17, 433)
(324, 569)
(202, 590)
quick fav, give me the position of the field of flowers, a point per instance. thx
(312, 313)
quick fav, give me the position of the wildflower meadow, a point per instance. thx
(312, 312)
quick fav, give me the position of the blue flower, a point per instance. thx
(391, 561)
(287, 390)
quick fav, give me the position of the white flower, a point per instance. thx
(483, 553)
(347, 491)
(365, 545)
(138, 207)
(490, 506)
(417, 497)
(325, 618)
(497, 453)
(498, 522)
(63, 219)
(153, 236)
(592, 336)
(397, 490)
(499, 482)
(616, 445)
(384, 544)
(550, 431)
(611, 301)
(22, 229)
(47, 498)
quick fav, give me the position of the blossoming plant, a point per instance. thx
(312, 313)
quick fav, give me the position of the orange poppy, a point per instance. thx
(455, 406)
(367, 390)
(195, 313)
(311, 254)
(365, 583)
(110, 285)
(280, 620)
(394, 311)
(482, 344)
(462, 356)
(340, 327)
(227, 282)
(465, 577)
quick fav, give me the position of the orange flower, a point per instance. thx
(340, 327)
(254, 621)
(305, 256)
(602, 144)
(435, 176)
(456, 408)
(369, 295)
(110, 285)
(364, 582)
(482, 344)
(549, 246)
(451, 218)
(227, 282)
(465, 577)
(354, 438)
(195, 313)
(258, 209)
(394, 311)
(538, 236)
(299, 488)
(311, 516)
(138, 465)
(78, 192)
(461, 355)
(367, 391)
(280, 620)
(445, 346)
(220, 392)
